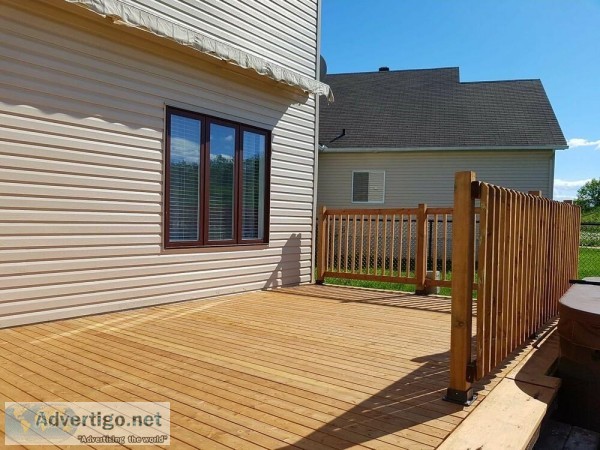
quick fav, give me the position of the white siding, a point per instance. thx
(428, 177)
(82, 106)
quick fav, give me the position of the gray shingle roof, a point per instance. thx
(432, 109)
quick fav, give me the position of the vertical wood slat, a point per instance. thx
(353, 265)
(332, 249)
(445, 252)
(435, 245)
(384, 244)
(408, 245)
(362, 242)
(340, 241)
(400, 238)
(533, 262)
(347, 242)
(501, 343)
(515, 279)
(376, 261)
(392, 244)
(421, 251)
(519, 333)
(482, 293)
(543, 258)
(497, 281)
(519, 271)
(368, 262)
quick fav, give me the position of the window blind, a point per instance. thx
(184, 198)
(222, 183)
(253, 185)
(368, 186)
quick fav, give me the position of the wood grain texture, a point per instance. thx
(312, 367)
(527, 254)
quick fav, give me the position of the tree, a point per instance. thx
(588, 195)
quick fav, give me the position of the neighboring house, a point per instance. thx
(166, 160)
(396, 138)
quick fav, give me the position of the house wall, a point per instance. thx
(282, 31)
(428, 177)
(81, 154)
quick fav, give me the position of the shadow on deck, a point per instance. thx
(311, 367)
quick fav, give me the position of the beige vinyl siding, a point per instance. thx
(282, 31)
(428, 177)
(82, 109)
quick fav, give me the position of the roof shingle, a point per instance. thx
(431, 108)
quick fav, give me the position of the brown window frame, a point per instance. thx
(204, 180)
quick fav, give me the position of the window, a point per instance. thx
(217, 181)
(368, 186)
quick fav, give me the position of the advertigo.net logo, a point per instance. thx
(39, 423)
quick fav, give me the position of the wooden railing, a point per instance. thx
(394, 245)
(527, 254)
(439, 246)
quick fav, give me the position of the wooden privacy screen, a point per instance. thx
(393, 245)
(527, 254)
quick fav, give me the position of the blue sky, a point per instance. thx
(557, 41)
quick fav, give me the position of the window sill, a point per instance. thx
(216, 248)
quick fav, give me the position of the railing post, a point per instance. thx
(460, 389)
(421, 255)
(322, 247)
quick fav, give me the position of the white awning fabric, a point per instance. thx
(129, 15)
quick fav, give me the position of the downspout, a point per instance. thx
(315, 216)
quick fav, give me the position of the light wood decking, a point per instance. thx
(313, 367)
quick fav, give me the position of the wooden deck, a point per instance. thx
(313, 367)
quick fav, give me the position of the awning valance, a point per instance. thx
(126, 14)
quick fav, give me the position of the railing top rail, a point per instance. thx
(388, 211)
(476, 190)
(370, 211)
(440, 210)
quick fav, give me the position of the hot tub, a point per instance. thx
(579, 362)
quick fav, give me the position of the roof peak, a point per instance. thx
(501, 81)
(455, 68)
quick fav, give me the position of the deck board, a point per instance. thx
(312, 367)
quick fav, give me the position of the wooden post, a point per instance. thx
(460, 389)
(322, 255)
(421, 254)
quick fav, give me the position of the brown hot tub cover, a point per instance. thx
(579, 311)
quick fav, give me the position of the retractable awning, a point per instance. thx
(125, 14)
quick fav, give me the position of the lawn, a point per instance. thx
(589, 262)
(372, 284)
(593, 215)
(384, 285)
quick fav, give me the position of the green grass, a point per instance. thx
(592, 215)
(589, 262)
(372, 284)
(400, 287)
